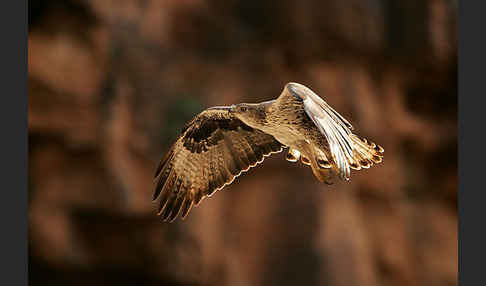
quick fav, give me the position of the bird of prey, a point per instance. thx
(221, 142)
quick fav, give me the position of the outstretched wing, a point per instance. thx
(214, 148)
(347, 149)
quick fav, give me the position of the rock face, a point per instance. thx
(111, 84)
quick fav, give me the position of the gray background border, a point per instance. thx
(13, 123)
(471, 194)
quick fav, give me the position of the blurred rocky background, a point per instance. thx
(111, 84)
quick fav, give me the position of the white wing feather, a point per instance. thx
(336, 133)
(335, 128)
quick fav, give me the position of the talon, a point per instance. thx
(293, 155)
(323, 164)
(355, 166)
(305, 160)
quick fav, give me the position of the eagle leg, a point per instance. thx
(321, 167)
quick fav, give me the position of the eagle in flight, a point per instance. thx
(221, 142)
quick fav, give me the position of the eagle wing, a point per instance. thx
(347, 149)
(214, 148)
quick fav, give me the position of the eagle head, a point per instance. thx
(252, 114)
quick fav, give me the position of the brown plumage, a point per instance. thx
(220, 143)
